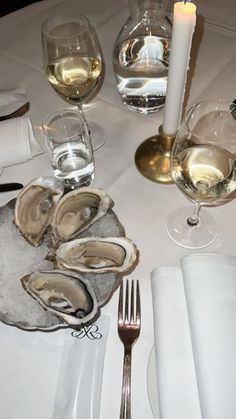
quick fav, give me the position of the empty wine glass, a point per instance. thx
(72, 62)
(204, 169)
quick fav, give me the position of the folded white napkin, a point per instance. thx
(11, 100)
(17, 141)
(195, 337)
(80, 377)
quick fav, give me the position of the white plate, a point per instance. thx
(152, 384)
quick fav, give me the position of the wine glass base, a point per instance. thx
(191, 237)
(97, 135)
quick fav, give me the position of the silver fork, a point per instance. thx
(129, 322)
(18, 112)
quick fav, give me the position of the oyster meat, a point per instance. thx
(66, 294)
(98, 255)
(35, 206)
(77, 210)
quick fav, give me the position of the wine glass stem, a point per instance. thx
(193, 220)
(80, 109)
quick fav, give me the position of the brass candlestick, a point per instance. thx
(152, 157)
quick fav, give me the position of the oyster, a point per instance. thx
(77, 210)
(65, 294)
(96, 254)
(35, 206)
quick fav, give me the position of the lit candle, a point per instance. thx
(184, 21)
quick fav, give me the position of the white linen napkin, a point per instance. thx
(80, 377)
(11, 100)
(17, 141)
(195, 337)
(177, 386)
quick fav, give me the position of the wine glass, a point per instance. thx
(203, 167)
(72, 62)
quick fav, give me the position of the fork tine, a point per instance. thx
(18, 112)
(138, 305)
(127, 301)
(24, 108)
(120, 303)
(132, 302)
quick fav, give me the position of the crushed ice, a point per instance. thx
(17, 259)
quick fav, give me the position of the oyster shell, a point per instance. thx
(77, 210)
(98, 255)
(35, 206)
(66, 295)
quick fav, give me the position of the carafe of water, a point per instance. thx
(141, 57)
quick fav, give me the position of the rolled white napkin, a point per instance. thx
(195, 337)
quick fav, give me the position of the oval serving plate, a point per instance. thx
(19, 258)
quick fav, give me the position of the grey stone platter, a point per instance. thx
(18, 258)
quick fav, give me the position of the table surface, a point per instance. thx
(29, 362)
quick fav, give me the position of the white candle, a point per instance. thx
(184, 21)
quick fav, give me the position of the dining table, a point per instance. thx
(30, 360)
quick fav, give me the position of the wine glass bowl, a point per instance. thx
(72, 59)
(203, 168)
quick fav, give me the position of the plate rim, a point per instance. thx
(152, 384)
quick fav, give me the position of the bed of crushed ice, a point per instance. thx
(18, 258)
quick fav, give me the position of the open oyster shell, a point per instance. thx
(64, 293)
(98, 255)
(77, 210)
(35, 206)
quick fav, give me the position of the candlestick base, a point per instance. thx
(152, 157)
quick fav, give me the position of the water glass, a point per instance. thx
(69, 147)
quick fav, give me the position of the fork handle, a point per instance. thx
(125, 409)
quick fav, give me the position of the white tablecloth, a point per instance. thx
(29, 362)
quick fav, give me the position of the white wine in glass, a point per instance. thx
(72, 62)
(203, 167)
(204, 173)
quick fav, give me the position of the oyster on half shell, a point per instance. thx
(98, 255)
(77, 210)
(35, 206)
(64, 293)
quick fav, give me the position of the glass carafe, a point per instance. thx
(141, 57)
